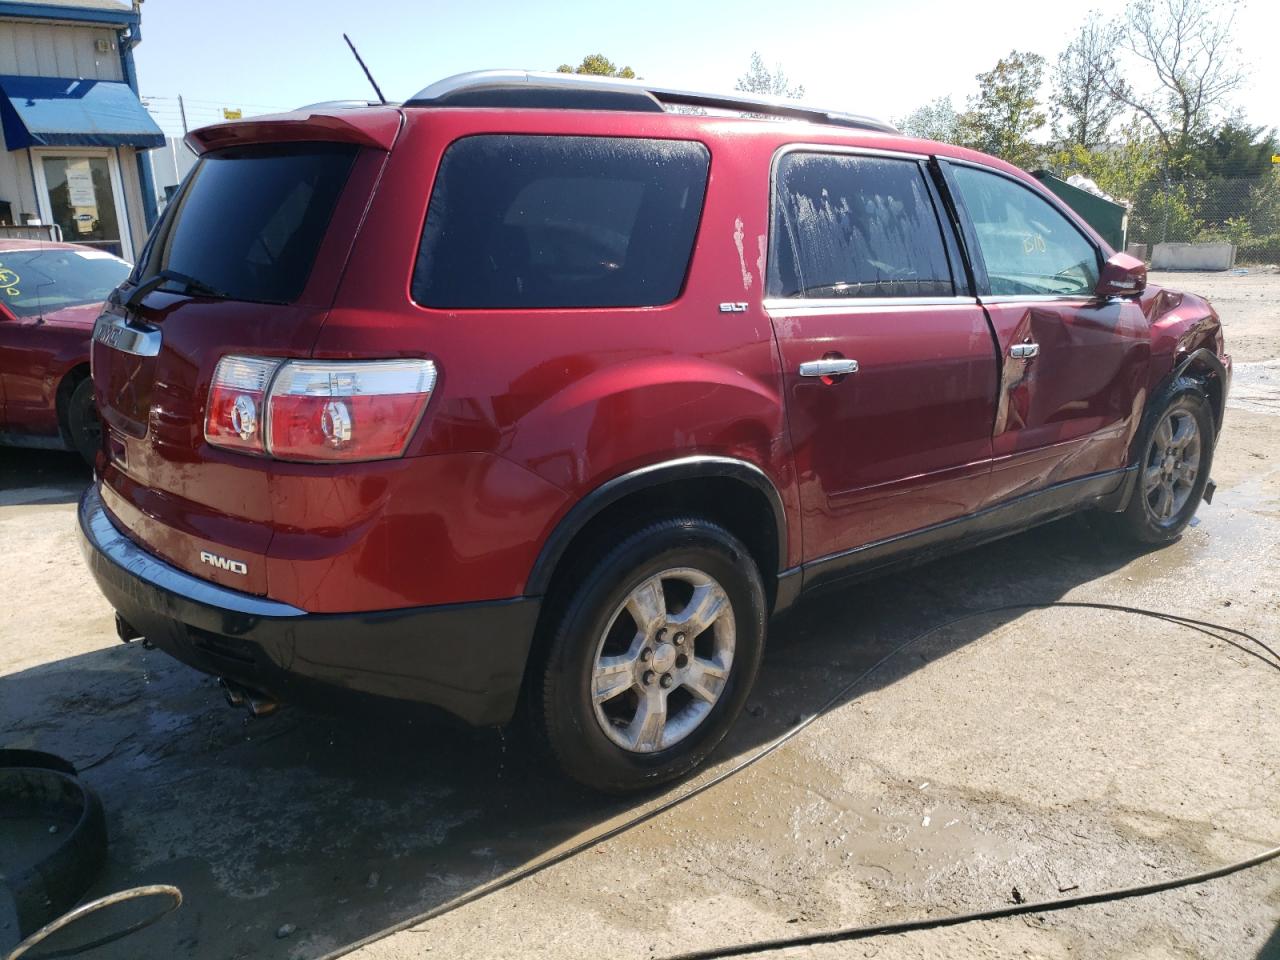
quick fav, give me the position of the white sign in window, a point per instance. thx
(80, 192)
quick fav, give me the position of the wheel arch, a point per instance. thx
(73, 377)
(731, 492)
(1204, 367)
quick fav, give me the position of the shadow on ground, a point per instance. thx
(41, 476)
(341, 826)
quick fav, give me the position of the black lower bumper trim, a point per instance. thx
(466, 658)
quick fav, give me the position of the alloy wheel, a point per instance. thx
(1172, 465)
(664, 660)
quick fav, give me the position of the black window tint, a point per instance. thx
(848, 226)
(249, 221)
(1029, 248)
(538, 221)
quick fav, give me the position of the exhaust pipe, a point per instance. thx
(126, 631)
(257, 702)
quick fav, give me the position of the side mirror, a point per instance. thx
(1122, 276)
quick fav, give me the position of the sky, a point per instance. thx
(864, 56)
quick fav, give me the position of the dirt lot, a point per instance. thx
(1038, 752)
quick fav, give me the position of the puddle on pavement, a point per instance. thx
(343, 826)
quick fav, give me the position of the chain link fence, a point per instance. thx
(1244, 211)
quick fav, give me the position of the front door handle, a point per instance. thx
(835, 367)
(1024, 351)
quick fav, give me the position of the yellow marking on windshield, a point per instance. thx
(9, 281)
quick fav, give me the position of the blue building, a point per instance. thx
(75, 132)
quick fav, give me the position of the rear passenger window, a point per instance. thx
(545, 222)
(852, 226)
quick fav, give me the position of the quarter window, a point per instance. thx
(853, 226)
(549, 222)
(1030, 249)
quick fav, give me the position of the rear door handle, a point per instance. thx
(1024, 351)
(837, 367)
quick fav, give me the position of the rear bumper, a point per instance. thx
(467, 659)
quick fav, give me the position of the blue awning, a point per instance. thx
(55, 112)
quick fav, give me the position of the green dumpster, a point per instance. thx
(1110, 219)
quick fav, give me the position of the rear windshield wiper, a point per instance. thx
(189, 285)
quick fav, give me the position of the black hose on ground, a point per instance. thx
(864, 932)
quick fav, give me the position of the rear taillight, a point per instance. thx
(313, 410)
(236, 415)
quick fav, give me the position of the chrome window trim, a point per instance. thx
(1081, 298)
(790, 305)
(844, 148)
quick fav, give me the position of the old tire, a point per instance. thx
(1173, 466)
(84, 429)
(654, 651)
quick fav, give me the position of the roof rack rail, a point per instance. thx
(529, 88)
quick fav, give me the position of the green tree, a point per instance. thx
(1124, 168)
(597, 64)
(1235, 150)
(760, 79)
(936, 120)
(1007, 110)
(1081, 107)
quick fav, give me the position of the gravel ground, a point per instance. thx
(1016, 755)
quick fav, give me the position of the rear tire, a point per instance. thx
(654, 652)
(83, 426)
(1173, 467)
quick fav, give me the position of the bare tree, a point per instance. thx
(1189, 46)
(1081, 106)
(760, 79)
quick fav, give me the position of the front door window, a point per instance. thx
(82, 201)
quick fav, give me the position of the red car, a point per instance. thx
(50, 295)
(531, 392)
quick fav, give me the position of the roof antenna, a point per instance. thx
(360, 60)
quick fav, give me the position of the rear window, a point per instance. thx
(546, 222)
(248, 221)
(854, 226)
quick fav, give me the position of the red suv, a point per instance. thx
(50, 296)
(535, 391)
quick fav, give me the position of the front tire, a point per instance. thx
(83, 426)
(653, 656)
(1173, 468)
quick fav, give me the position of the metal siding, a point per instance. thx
(8, 49)
(46, 48)
(25, 42)
(57, 50)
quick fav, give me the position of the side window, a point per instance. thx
(852, 226)
(524, 222)
(1030, 249)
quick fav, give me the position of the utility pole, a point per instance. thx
(182, 110)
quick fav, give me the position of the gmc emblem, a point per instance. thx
(222, 563)
(111, 336)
